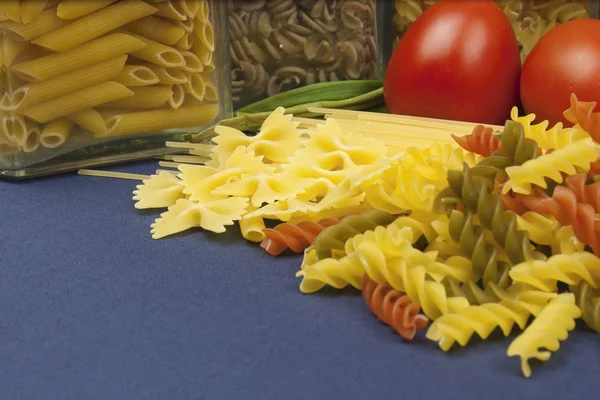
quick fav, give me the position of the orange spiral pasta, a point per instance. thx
(393, 308)
(481, 141)
(568, 211)
(582, 113)
(296, 237)
(584, 192)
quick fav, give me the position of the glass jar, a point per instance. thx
(91, 83)
(530, 19)
(278, 45)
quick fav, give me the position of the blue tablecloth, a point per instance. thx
(92, 307)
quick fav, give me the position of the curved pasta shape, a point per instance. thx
(434, 162)
(483, 319)
(567, 268)
(393, 308)
(296, 237)
(550, 327)
(551, 166)
(482, 141)
(515, 146)
(159, 191)
(584, 192)
(556, 137)
(588, 301)
(548, 231)
(582, 113)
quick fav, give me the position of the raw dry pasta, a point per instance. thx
(278, 45)
(104, 68)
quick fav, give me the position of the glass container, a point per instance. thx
(278, 45)
(87, 83)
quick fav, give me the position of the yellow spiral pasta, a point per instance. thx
(434, 162)
(547, 231)
(588, 301)
(567, 268)
(565, 160)
(555, 138)
(483, 319)
(547, 331)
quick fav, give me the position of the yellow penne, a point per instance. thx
(77, 101)
(71, 9)
(55, 133)
(39, 92)
(94, 52)
(32, 138)
(192, 63)
(30, 10)
(94, 25)
(12, 49)
(15, 128)
(13, 83)
(203, 53)
(12, 9)
(143, 97)
(252, 229)
(203, 12)
(3, 17)
(46, 21)
(206, 35)
(136, 75)
(195, 86)
(211, 93)
(168, 76)
(186, 42)
(191, 7)
(177, 97)
(157, 120)
(187, 25)
(90, 120)
(171, 9)
(158, 53)
(157, 29)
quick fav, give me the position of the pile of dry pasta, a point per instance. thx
(494, 231)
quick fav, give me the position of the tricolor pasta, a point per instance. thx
(103, 68)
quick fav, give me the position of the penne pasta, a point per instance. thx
(156, 120)
(157, 29)
(158, 53)
(203, 53)
(252, 229)
(40, 92)
(77, 101)
(206, 35)
(12, 9)
(15, 129)
(12, 49)
(192, 63)
(171, 9)
(32, 138)
(13, 83)
(186, 42)
(71, 9)
(211, 91)
(203, 12)
(9, 148)
(55, 133)
(195, 86)
(136, 75)
(191, 8)
(187, 25)
(47, 21)
(90, 120)
(3, 17)
(177, 97)
(30, 10)
(143, 97)
(168, 76)
(96, 51)
(95, 25)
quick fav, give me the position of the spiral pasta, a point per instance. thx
(393, 308)
(482, 141)
(296, 237)
(567, 268)
(582, 113)
(550, 327)
(588, 301)
(551, 166)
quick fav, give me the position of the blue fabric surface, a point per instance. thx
(92, 307)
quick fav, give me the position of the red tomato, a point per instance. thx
(459, 60)
(566, 60)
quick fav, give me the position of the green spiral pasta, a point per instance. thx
(470, 290)
(567, 268)
(588, 301)
(550, 327)
(483, 319)
(567, 160)
(334, 237)
(515, 145)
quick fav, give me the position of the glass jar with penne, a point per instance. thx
(95, 82)
(530, 19)
(278, 45)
